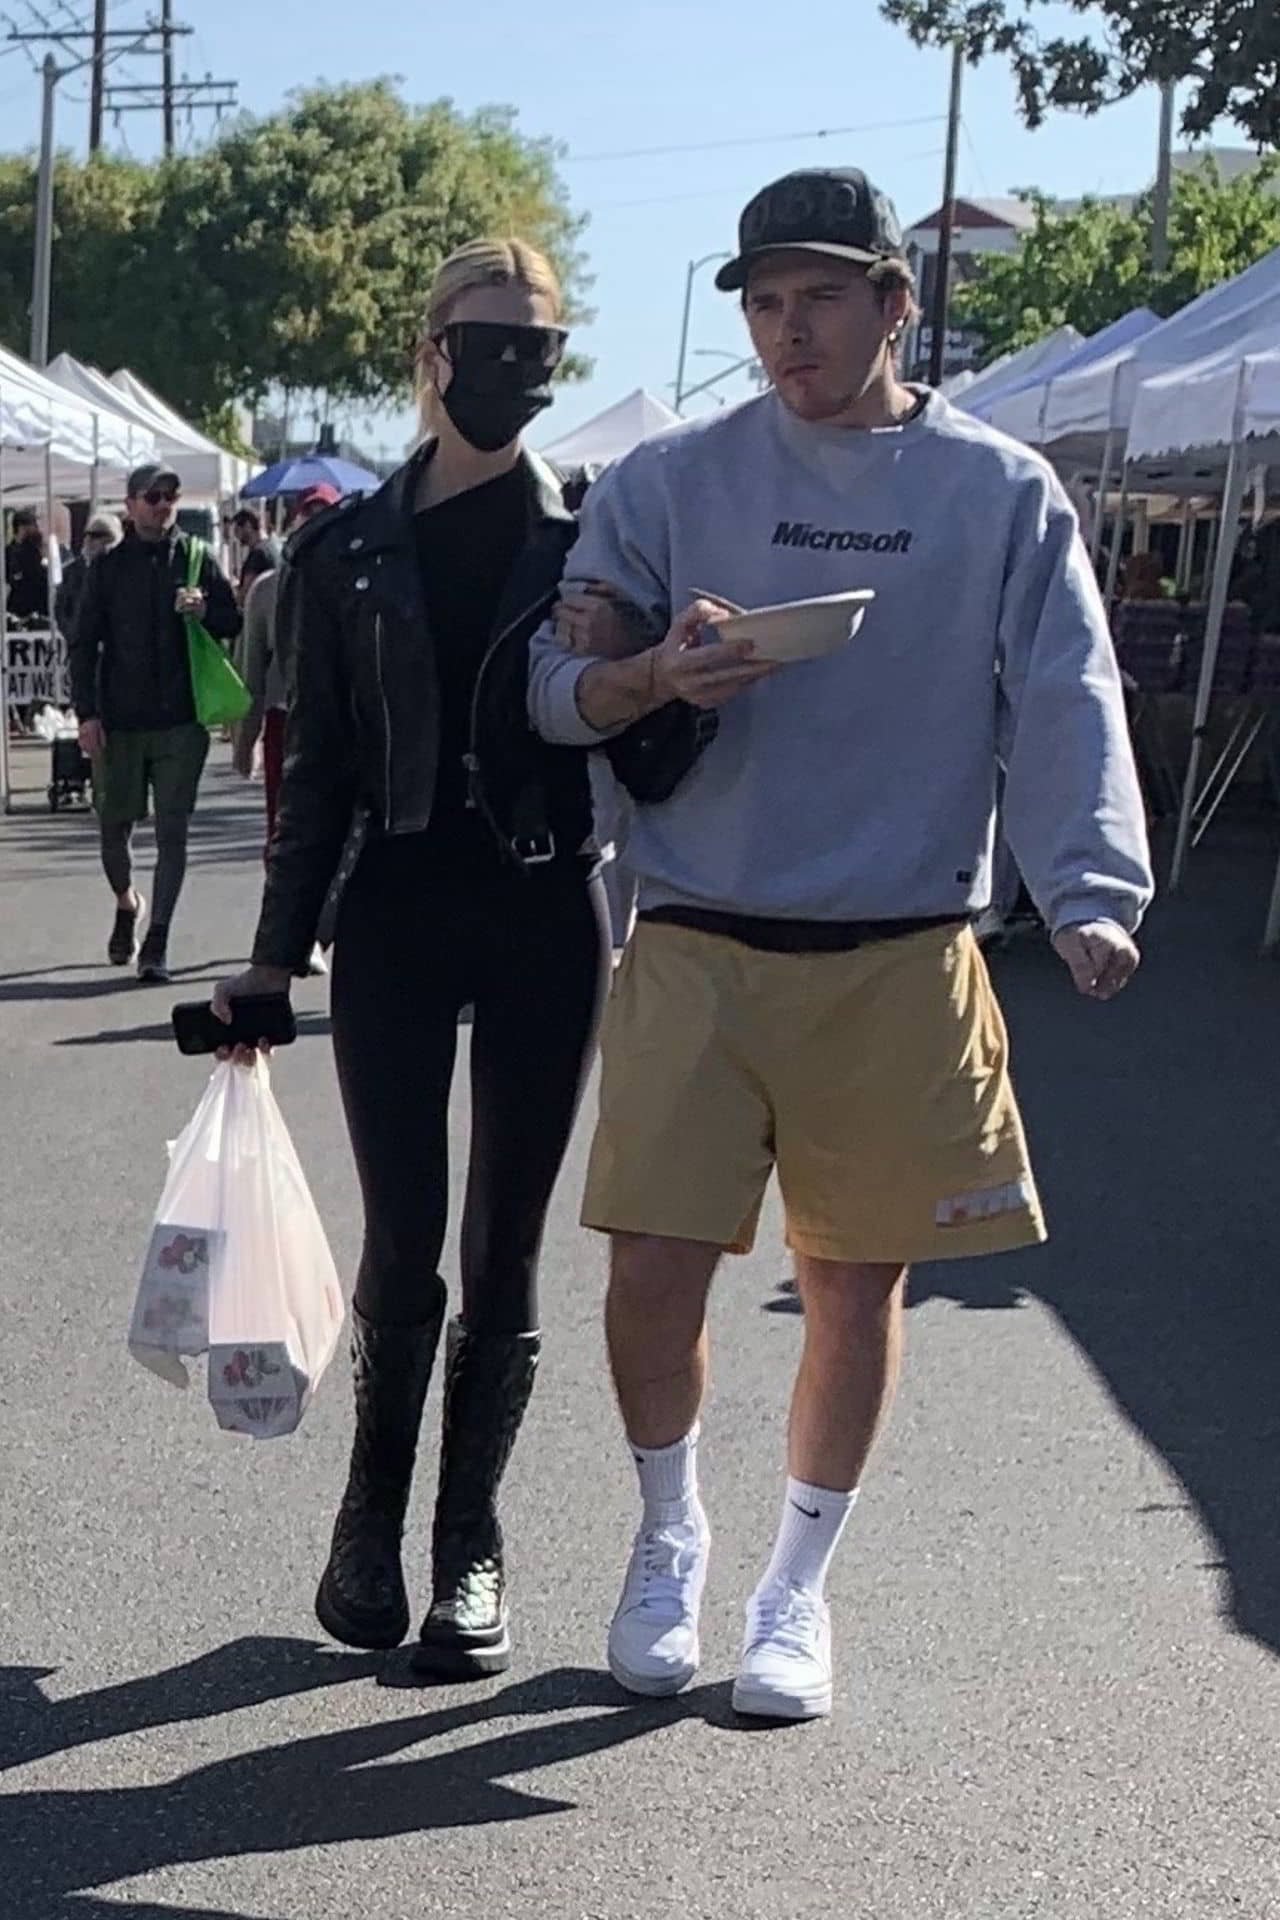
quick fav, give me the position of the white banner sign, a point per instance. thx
(36, 669)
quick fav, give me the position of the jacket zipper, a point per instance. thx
(471, 759)
(386, 718)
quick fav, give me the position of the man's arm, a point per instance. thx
(623, 545)
(1073, 811)
(221, 616)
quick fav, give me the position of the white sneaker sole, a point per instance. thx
(765, 1703)
(652, 1686)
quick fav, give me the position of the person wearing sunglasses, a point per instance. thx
(461, 850)
(131, 687)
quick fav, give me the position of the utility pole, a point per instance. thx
(98, 81)
(42, 268)
(166, 33)
(1164, 181)
(946, 225)
(50, 74)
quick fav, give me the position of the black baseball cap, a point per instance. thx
(154, 474)
(832, 210)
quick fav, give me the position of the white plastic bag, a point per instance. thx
(238, 1265)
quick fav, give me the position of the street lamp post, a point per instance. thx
(694, 269)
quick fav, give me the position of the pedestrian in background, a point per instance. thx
(26, 571)
(131, 688)
(103, 532)
(264, 664)
(261, 551)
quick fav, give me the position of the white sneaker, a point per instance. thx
(653, 1642)
(786, 1660)
(317, 965)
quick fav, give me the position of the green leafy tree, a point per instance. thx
(1229, 50)
(292, 255)
(1088, 265)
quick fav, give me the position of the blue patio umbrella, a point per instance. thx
(310, 470)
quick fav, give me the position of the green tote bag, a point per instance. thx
(221, 696)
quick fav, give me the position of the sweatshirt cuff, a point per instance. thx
(1123, 910)
(554, 704)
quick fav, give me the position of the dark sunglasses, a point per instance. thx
(160, 496)
(491, 342)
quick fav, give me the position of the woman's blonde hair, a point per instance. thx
(482, 263)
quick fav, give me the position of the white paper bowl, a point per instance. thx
(800, 629)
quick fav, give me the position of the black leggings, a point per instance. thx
(415, 943)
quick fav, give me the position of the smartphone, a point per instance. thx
(267, 1016)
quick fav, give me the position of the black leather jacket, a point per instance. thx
(363, 735)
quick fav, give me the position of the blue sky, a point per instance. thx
(733, 85)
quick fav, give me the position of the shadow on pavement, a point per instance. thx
(319, 1791)
(1153, 1132)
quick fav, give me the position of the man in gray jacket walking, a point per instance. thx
(803, 990)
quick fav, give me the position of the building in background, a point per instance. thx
(981, 227)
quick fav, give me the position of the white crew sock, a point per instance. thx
(813, 1518)
(669, 1482)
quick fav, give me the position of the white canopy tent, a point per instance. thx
(1200, 411)
(1012, 367)
(207, 471)
(612, 433)
(1220, 414)
(1019, 407)
(1087, 406)
(54, 445)
(60, 444)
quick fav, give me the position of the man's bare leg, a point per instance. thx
(853, 1328)
(655, 1322)
(845, 1384)
(656, 1326)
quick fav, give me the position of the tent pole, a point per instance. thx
(1182, 568)
(52, 565)
(6, 789)
(1104, 478)
(1117, 539)
(1233, 496)
(93, 471)
(1271, 935)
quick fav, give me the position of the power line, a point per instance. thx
(728, 192)
(753, 140)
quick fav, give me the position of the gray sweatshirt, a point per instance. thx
(862, 786)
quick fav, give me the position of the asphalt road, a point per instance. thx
(1058, 1609)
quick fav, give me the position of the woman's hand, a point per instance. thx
(253, 983)
(597, 620)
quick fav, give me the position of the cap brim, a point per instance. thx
(733, 277)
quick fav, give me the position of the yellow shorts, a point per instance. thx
(877, 1083)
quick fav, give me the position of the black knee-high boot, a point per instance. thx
(362, 1599)
(488, 1381)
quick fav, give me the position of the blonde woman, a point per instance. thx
(463, 849)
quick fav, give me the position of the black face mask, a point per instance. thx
(501, 378)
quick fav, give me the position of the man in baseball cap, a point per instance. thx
(803, 991)
(833, 211)
(131, 687)
(152, 477)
